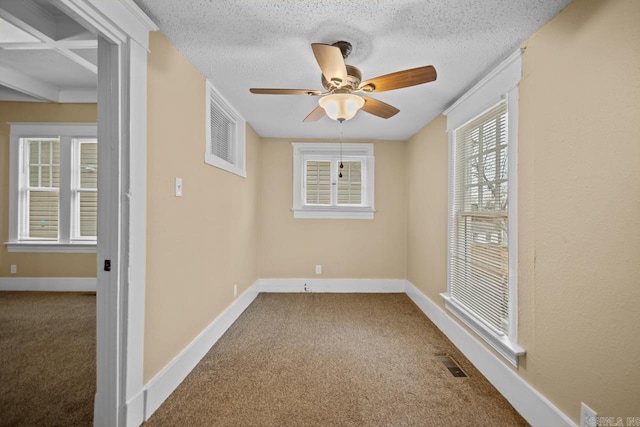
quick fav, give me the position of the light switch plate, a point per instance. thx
(178, 187)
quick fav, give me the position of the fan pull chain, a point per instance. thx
(341, 165)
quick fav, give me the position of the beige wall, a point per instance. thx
(579, 208)
(38, 264)
(427, 209)
(199, 245)
(345, 248)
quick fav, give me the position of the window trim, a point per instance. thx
(64, 243)
(499, 84)
(303, 151)
(213, 97)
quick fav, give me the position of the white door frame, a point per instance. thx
(123, 37)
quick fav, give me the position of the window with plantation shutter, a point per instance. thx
(225, 134)
(53, 187)
(331, 181)
(318, 182)
(482, 277)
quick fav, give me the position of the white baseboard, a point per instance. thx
(333, 285)
(533, 406)
(50, 284)
(166, 381)
(134, 409)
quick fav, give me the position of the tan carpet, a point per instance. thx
(333, 360)
(47, 358)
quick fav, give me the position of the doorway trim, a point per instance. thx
(123, 42)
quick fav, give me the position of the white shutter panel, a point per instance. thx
(350, 185)
(318, 183)
(479, 241)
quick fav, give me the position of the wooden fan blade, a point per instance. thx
(315, 115)
(263, 91)
(400, 79)
(379, 108)
(331, 63)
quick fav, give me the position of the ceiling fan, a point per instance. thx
(343, 85)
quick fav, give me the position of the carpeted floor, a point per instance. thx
(47, 358)
(333, 360)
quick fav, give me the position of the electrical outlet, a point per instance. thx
(14, 269)
(307, 288)
(318, 269)
(235, 291)
(588, 417)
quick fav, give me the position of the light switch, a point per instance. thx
(178, 187)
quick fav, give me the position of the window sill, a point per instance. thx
(333, 213)
(224, 165)
(502, 344)
(41, 246)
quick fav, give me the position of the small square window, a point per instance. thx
(331, 181)
(225, 133)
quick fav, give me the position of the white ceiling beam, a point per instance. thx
(79, 60)
(35, 20)
(16, 80)
(79, 95)
(30, 17)
(63, 44)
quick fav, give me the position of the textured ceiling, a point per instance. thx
(239, 44)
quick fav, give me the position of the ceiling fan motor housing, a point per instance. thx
(354, 77)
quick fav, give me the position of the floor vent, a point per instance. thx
(452, 366)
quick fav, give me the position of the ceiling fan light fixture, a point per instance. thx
(341, 106)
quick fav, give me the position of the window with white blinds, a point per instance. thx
(42, 187)
(483, 237)
(333, 183)
(479, 239)
(85, 189)
(53, 187)
(225, 134)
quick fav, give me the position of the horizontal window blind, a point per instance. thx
(221, 133)
(43, 214)
(88, 214)
(88, 194)
(89, 164)
(479, 258)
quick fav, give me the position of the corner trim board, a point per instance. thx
(48, 284)
(169, 378)
(533, 406)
